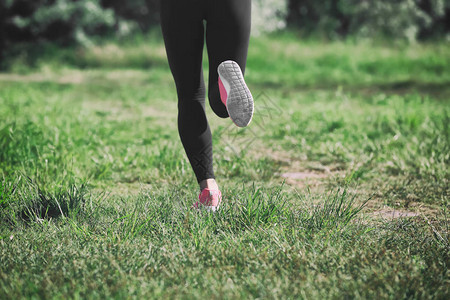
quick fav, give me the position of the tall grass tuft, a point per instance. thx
(333, 213)
(7, 190)
(261, 207)
(25, 200)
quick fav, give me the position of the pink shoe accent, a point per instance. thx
(209, 199)
(223, 92)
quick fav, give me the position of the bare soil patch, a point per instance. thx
(389, 213)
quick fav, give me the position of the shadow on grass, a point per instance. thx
(24, 200)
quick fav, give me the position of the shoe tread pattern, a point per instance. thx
(240, 104)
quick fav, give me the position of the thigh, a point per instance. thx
(227, 33)
(183, 32)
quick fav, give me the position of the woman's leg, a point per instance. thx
(227, 38)
(182, 27)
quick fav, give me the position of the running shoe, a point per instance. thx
(209, 200)
(234, 93)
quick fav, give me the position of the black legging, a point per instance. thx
(227, 38)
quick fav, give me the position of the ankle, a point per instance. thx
(209, 183)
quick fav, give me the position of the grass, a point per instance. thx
(96, 192)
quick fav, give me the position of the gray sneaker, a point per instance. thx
(235, 94)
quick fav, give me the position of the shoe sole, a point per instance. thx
(210, 208)
(201, 207)
(240, 104)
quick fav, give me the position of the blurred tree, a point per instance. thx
(144, 12)
(62, 21)
(268, 15)
(410, 19)
(439, 12)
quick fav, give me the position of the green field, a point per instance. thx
(338, 189)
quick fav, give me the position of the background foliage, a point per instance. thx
(411, 19)
(79, 21)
